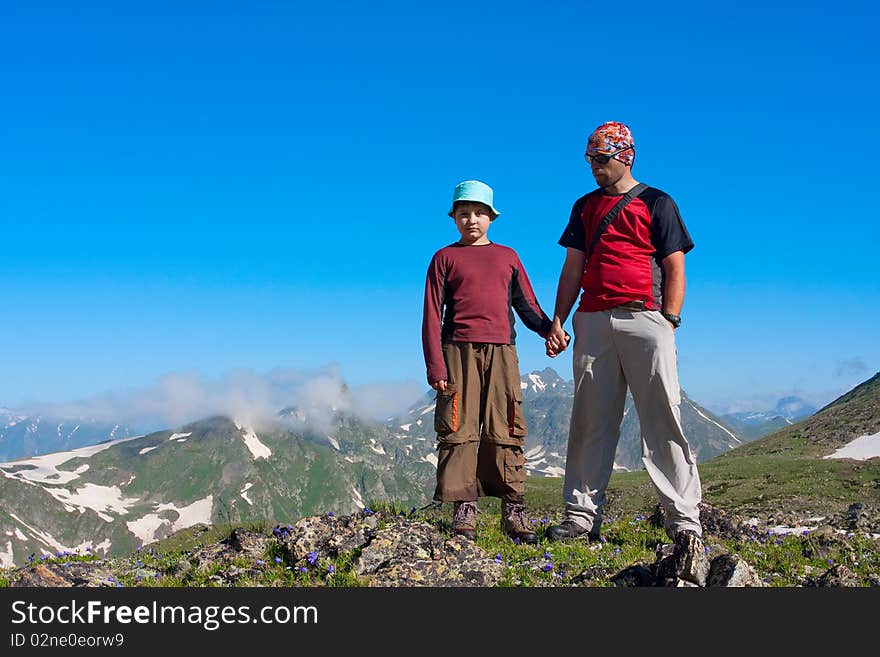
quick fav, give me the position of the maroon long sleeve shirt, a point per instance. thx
(471, 292)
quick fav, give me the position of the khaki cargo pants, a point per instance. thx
(614, 349)
(480, 425)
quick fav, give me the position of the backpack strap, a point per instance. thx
(611, 215)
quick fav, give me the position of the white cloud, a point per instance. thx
(251, 397)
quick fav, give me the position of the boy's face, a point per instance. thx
(472, 220)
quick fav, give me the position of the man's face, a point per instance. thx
(472, 221)
(609, 173)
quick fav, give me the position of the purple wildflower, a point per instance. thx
(498, 558)
(303, 569)
(330, 513)
(547, 567)
(547, 555)
(831, 562)
(617, 550)
(331, 569)
(312, 557)
(603, 539)
(545, 520)
(260, 562)
(277, 559)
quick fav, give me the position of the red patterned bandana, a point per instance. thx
(611, 138)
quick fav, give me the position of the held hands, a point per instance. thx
(557, 340)
(439, 385)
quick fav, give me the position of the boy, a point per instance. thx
(468, 339)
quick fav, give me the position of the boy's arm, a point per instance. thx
(431, 319)
(524, 302)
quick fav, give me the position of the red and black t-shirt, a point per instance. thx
(471, 292)
(625, 265)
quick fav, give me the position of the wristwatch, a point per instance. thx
(675, 320)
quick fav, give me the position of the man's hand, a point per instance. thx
(439, 385)
(557, 339)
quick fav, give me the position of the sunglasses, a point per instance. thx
(603, 158)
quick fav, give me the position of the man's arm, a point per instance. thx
(674, 282)
(566, 294)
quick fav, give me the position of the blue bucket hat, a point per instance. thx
(476, 191)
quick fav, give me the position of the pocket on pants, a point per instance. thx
(514, 466)
(516, 421)
(446, 412)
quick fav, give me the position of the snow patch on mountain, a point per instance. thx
(244, 494)
(375, 447)
(537, 383)
(178, 436)
(6, 557)
(147, 449)
(146, 527)
(100, 499)
(43, 537)
(708, 419)
(356, 498)
(44, 469)
(430, 458)
(257, 448)
(334, 442)
(860, 449)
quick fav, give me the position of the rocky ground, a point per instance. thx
(387, 550)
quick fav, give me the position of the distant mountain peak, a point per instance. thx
(542, 380)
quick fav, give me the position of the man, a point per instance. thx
(633, 282)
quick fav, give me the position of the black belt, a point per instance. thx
(633, 305)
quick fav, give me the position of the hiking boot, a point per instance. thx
(464, 520)
(567, 529)
(514, 524)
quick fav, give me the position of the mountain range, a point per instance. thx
(754, 424)
(547, 400)
(27, 435)
(126, 492)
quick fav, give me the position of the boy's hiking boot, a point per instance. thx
(567, 529)
(464, 520)
(514, 524)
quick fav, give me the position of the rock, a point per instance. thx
(240, 542)
(636, 575)
(713, 520)
(731, 570)
(689, 560)
(75, 573)
(328, 536)
(416, 554)
(859, 517)
(839, 575)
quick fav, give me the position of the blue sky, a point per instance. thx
(208, 187)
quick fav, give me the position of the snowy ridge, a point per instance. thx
(708, 419)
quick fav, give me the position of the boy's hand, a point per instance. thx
(557, 340)
(439, 385)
